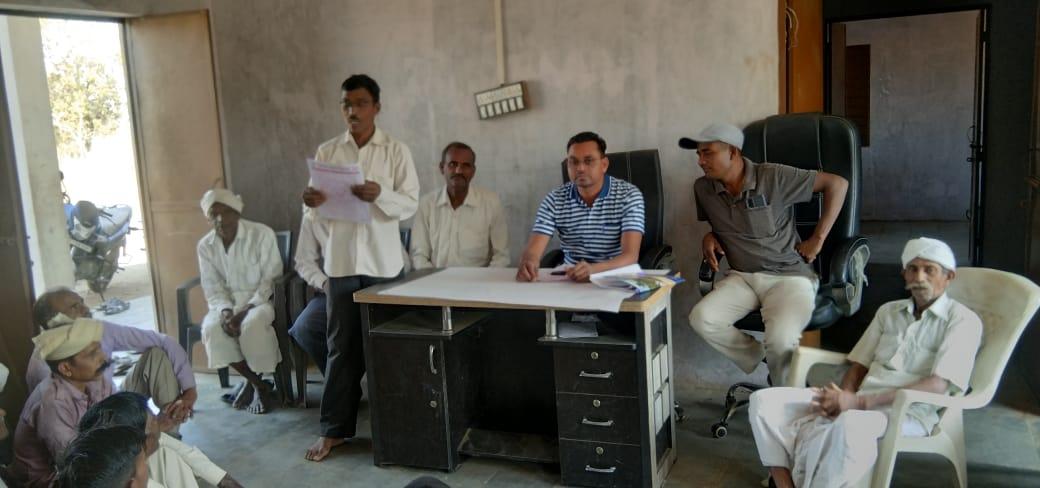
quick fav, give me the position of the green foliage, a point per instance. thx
(85, 103)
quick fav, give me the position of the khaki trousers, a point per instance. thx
(153, 377)
(786, 304)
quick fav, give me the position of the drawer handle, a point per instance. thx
(433, 369)
(598, 376)
(609, 470)
(596, 423)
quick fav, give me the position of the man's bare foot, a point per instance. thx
(261, 400)
(244, 397)
(322, 447)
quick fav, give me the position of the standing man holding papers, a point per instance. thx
(358, 255)
(600, 220)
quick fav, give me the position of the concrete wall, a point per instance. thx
(642, 74)
(33, 134)
(922, 81)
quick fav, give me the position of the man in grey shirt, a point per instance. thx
(748, 207)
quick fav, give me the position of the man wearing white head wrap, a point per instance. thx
(238, 262)
(828, 436)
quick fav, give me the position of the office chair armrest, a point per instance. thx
(552, 259)
(706, 277)
(848, 274)
(184, 309)
(804, 358)
(657, 257)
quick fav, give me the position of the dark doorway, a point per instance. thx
(913, 87)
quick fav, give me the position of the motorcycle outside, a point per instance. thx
(98, 238)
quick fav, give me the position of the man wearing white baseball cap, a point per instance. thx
(828, 436)
(748, 206)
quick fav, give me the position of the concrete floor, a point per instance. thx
(267, 451)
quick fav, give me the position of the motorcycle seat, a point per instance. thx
(112, 220)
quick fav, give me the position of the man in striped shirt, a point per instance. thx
(599, 219)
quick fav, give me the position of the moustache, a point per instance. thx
(104, 366)
(918, 286)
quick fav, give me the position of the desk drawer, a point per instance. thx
(598, 418)
(600, 464)
(595, 372)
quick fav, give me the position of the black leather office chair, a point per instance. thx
(819, 142)
(642, 169)
(190, 331)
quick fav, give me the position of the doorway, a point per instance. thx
(78, 171)
(913, 86)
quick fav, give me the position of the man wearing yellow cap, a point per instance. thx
(52, 412)
(238, 263)
(823, 437)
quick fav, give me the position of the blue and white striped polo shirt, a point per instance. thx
(591, 233)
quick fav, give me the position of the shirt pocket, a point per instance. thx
(759, 221)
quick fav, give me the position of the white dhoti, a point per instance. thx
(820, 452)
(176, 464)
(257, 345)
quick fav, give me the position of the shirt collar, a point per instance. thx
(66, 388)
(379, 138)
(602, 191)
(750, 182)
(940, 308)
(470, 201)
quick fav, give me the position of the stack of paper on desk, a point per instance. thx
(499, 285)
(633, 278)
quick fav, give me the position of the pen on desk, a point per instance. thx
(558, 273)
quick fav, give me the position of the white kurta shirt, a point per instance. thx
(313, 232)
(372, 249)
(244, 273)
(475, 234)
(899, 349)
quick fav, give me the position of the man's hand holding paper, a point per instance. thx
(340, 192)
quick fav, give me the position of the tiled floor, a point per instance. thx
(267, 451)
(888, 238)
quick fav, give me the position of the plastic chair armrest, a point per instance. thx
(804, 358)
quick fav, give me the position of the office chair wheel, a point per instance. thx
(718, 430)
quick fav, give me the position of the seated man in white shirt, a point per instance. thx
(459, 224)
(170, 462)
(827, 437)
(309, 329)
(238, 262)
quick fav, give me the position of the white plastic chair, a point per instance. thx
(1005, 302)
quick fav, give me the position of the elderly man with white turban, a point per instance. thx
(238, 262)
(827, 437)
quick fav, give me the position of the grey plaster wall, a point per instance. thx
(642, 74)
(922, 78)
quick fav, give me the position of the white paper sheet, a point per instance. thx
(499, 285)
(335, 183)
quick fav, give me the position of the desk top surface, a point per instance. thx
(644, 302)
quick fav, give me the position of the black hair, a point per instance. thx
(123, 408)
(588, 137)
(362, 81)
(457, 145)
(43, 310)
(104, 457)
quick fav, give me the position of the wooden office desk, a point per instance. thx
(453, 377)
